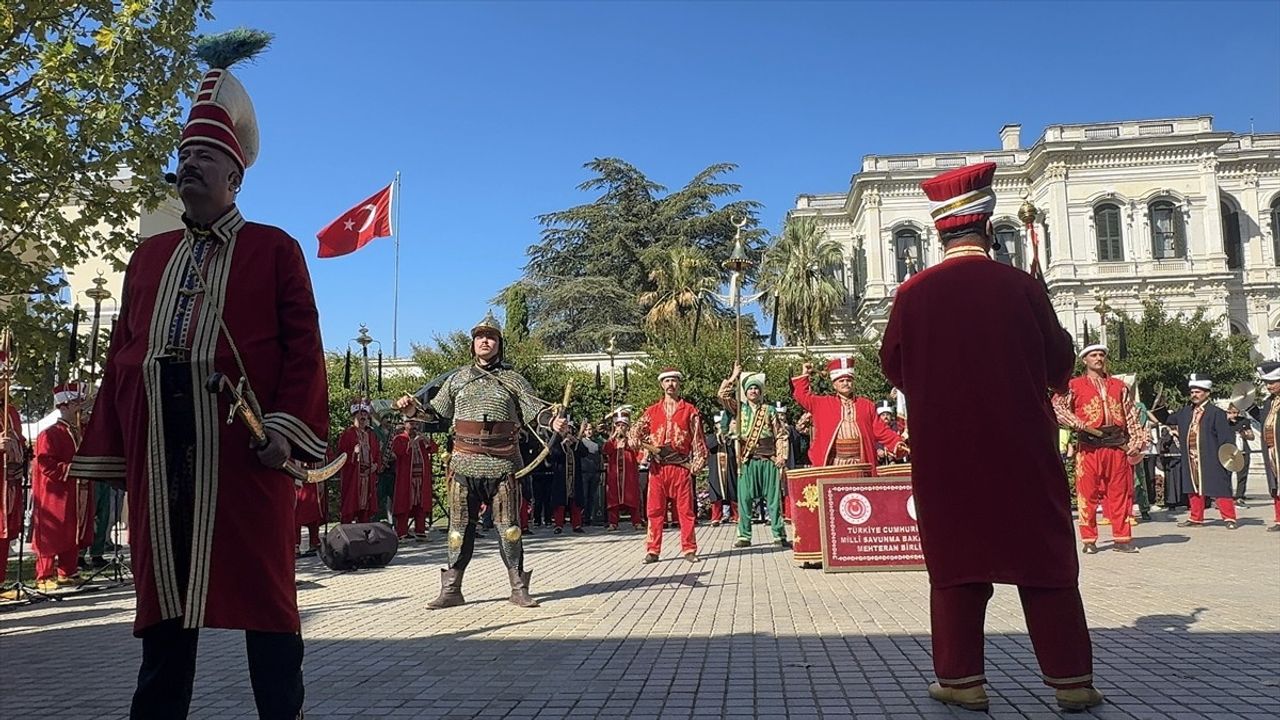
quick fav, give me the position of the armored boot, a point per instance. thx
(520, 589)
(450, 590)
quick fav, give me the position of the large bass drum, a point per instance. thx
(803, 498)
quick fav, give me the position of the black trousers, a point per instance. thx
(1242, 478)
(542, 507)
(168, 673)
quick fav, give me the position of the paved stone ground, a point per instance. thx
(1189, 628)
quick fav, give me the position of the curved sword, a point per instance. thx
(242, 410)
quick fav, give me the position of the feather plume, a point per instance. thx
(225, 49)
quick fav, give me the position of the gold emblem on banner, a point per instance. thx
(811, 496)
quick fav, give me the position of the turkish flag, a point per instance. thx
(356, 227)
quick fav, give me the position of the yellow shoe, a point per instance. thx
(8, 594)
(970, 698)
(47, 585)
(65, 580)
(1078, 699)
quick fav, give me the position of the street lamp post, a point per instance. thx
(97, 293)
(611, 351)
(1103, 310)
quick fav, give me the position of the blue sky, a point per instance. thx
(489, 110)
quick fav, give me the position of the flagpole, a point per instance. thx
(395, 302)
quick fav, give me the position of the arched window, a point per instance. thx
(1275, 229)
(909, 248)
(1168, 234)
(1010, 240)
(1231, 242)
(1106, 222)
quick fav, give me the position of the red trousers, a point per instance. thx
(674, 483)
(419, 515)
(65, 562)
(717, 512)
(526, 510)
(615, 514)
(575, 515)
(313, 535)
(1226, 506)
(1055, 622)
(1277, 503)
(1104, 477)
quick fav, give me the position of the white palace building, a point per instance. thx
(1168, 210)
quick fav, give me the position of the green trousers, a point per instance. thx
(102, 518)
(760, 479)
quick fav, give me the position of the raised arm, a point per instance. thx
(801, 390)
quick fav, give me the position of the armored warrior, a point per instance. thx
(488, 402)
(762, 442)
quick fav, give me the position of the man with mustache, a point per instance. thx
(210, 517)
(670, 431)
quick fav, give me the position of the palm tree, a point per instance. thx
(683, 278)
(799, 275)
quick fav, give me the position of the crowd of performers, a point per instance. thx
(206, 499)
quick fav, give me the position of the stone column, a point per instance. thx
(1260, 254)
(1064, 252)
(877, 280)
(1210, 237)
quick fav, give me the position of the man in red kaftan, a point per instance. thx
(1100, 409)
(411, 498)
(210, 518)
(359, 486)
(62, 506)
(621, 459)
(846, 428)
(975, 344)
(670, 431)
(13, 463)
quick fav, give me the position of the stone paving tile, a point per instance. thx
(1188, 628)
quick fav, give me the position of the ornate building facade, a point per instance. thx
(1165, 210)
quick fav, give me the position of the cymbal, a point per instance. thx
(1231, 457)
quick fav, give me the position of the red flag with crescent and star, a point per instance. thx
(356, 227)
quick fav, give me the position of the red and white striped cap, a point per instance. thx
(222, 117)
(69, 392)
(839, 367)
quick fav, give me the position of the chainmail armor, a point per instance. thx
(481, 395)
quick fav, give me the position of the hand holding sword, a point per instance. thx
(272, 447)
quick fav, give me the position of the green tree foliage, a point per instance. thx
(89, 113)
(1163, 350)
(516, 301)
(798, 277)
(595, 261)
(683, 279)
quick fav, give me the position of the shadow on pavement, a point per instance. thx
(509, 668)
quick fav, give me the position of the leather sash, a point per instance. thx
(495, 439)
